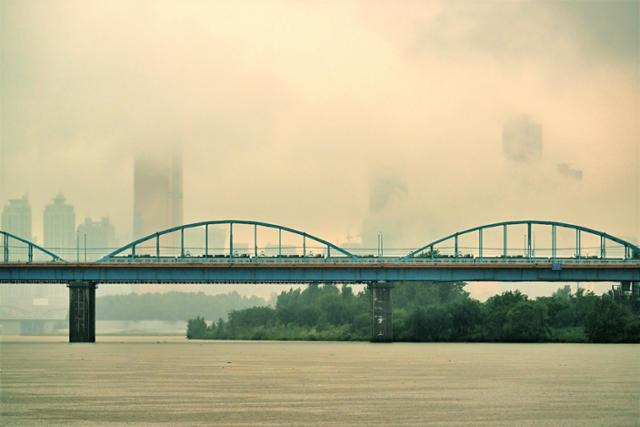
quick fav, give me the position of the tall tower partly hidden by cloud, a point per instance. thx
(157, 199)
(157, 202)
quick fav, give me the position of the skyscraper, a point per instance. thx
(60, 228)
(16, 217)
(59, 236)
(97, 238)
(157, 202)
(157, 185)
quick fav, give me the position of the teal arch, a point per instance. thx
(631, 250)
(230, 222)
(30, 247)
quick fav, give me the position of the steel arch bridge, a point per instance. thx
(30, 246)
(155, 237)
(430, 250)
(424, 264)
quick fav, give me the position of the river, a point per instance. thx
(172, 381)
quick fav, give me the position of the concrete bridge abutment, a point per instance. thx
(82, 311)
(381, 313)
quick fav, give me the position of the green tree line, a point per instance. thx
(171, 306)
(430, 312)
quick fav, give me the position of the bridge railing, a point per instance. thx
(369, 261)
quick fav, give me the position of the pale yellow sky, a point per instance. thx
(289, 112)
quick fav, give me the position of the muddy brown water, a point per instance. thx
(172, 381)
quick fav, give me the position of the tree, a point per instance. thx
(196, 328)
(424, 294)
(526, 321)
(496, 309)
(466, 319)
(632, 330)
(333, 309)
(561, 308)
(429, 324)
(606, 322)
(251, 317)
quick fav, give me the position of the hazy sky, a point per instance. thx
(326, 116)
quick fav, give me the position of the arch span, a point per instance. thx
(630, 250)
(230, 222)
(6, 247)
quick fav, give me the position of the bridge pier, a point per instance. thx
(82, 311)
(381, 316)
(635, 291)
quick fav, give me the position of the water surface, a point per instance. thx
(172, 381)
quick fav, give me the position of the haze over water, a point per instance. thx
(172, 381)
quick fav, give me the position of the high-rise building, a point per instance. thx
(157, 199)
(43, 300)
(16, 217)
(97, 238)
(157, 202)
(60, 228)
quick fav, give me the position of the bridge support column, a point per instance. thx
(635, 291)
(625, 287)
(82, 311)
(381, 319)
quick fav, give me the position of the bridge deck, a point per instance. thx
(333, 270)
(225, 260)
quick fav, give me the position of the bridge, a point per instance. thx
(484, 253)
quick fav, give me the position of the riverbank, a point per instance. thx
(432, 312)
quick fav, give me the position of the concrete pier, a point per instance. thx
(625, 287)
(381, 318)
(82, 311)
